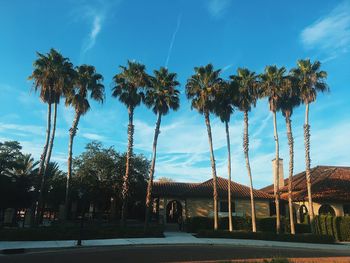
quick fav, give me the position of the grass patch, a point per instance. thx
(304, 238)
(71, 232)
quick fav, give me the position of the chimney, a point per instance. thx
(281, 177)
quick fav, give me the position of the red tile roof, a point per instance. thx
(328, 183)
(205, 189)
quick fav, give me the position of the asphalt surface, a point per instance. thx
(165, 253)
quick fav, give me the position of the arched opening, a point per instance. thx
(326, 210)
(173, 211)
(303, 213)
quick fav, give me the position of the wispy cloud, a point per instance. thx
(93, 136)
(96, 20)
(96, 26)
(330, 35)
(94, 13)
(216, 8)
(173, 40)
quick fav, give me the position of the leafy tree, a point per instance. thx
(129, 90)
(273, 81)
(201, 89)
(98, 173)
(247, 95)
(10, 152)
(310, 80)
(87, 83)
(161, 96)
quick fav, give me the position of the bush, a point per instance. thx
(302, 228)
(306, 238)
(72, 232)
(267, 224)
(337, 227)
(194, 224)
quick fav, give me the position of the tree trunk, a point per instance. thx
(47, 161)
(212, 160)
(230, 227)
(72, 133)
(125, 189)
(291, 168)
(277, 177)
(35, 207)
(308, 161)
(246, 154)
(151, 172)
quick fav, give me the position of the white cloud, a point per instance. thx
(216, 8)
(96, 26)
(331, 33)
(173, 40)
(93, 136)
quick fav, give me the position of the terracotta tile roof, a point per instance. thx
(174, 189)
(328, 183)
(205, 189)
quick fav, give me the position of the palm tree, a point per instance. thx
(128, 89)
(53, 76)
(273, 81)
(87, 81)
(247, 95)
(224, 107)
(310, 80)
(201, 88)
(289, 100)
(161, 96)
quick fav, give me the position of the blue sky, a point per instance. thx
(179, 34)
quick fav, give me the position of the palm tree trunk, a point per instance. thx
(308, 161)
(213, 168)
(125, 189)
(72, 133)
(230, 228)
(49, 152)
(291, 168)
(246, 154)
(151, 172)
(276, 184)
(47, 161)
(41, 166)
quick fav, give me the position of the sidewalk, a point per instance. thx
(171, 238)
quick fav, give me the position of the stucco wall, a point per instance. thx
(338, 208)
(204, 207)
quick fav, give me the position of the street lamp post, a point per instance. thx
(80, 194)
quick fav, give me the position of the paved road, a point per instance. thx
(168, 253)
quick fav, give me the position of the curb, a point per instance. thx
(12, 251)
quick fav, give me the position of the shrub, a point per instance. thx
(72, 232)
(267, 224)
(337, 227)
(194, 224)
(306, 238)
(302, 228)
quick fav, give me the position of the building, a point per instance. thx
(330, 186)
(172, 200)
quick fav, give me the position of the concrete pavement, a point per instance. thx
(171, 238)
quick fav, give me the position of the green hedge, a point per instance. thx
(72, 233)
(305, 238)
(267, 224)
(335, 226)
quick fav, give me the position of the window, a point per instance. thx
(303, 214)
(273, 208)
(224, 207)
(346, 209)
(326, 210)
